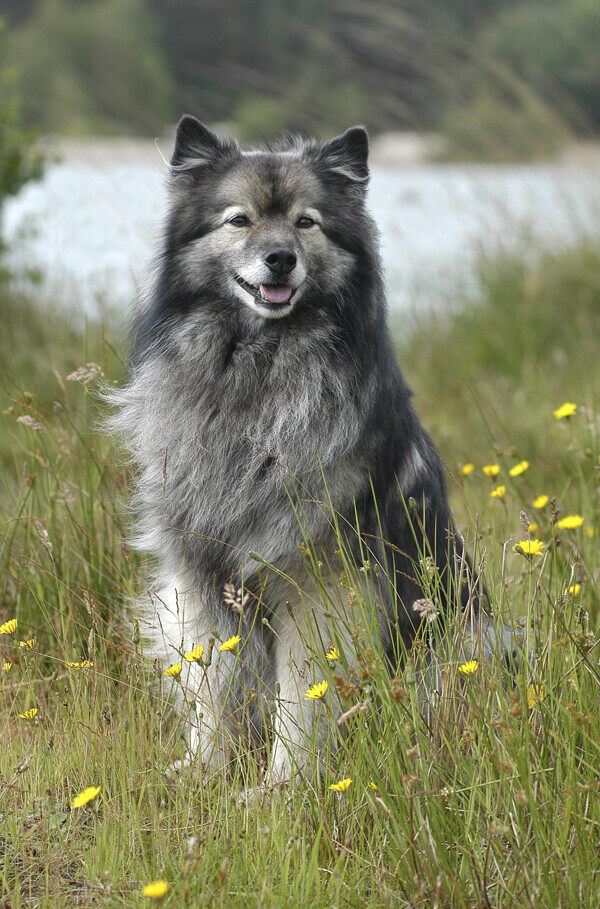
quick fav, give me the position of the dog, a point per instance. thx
(262, 376)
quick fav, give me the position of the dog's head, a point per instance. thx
(268, 227)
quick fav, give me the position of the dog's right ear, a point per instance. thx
(196, 147)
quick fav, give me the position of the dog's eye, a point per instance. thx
(239, 221)
(304, 221)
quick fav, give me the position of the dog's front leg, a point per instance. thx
(299, 726)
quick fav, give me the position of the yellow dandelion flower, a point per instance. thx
(342, 785)
(535, 693)
(499, 492)
(570, 522)
(373, 786)
(469, 668)
(230, 644)
(84, 798)
(174, 671)
(518, 469)
(574, 590)
(565, 410)
(589, 531)
(27, 645)
(529, 547)
(29, 714)
(467, 469)
(491, 470)
(9, 627)
(333, 653)
(533, 527)
(155, 890)
(6, 667)
(195, 655)
(316, 692)
(541, 501)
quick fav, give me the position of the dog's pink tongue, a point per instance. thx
(276, 293)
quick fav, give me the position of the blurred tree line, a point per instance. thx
(499, 78)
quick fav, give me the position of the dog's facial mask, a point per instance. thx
(260, 224)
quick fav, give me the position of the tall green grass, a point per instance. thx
(486, 796)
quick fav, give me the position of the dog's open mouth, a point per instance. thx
(273, 295)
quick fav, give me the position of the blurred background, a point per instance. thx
(484, 117)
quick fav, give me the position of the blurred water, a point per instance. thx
(91, 231)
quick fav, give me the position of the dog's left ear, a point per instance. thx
(196, 147)
(347, 155)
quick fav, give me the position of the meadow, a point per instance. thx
(487, 796)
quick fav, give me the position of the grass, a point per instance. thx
(488, 798)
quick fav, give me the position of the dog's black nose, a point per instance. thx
(280, 260)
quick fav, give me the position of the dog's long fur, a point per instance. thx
(231, 403)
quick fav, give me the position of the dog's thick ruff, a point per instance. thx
(233, 409)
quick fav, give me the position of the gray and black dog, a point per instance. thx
(262, 354)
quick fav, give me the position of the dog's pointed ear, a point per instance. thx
(347, 155)
(196, 147)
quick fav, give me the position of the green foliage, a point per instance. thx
(91, 67)
(19, 160)
(555, 49)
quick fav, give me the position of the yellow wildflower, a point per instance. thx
(565, 410)
(518, 469)
(195, 655)
(9, 627)
(535, 693)
(29, 714)
(529, 547)
(174, 671)
(373, 786)
(570, 522)
(469, 668)
(230, 644)
(499, 492)
(27, 645)
(342, 785)
(155, 890)
(84, 664)
(491, 470)
(6, 667)
(533, 527)
(316, 692)
(84, 798)
(541, 501)
(467, 469)
(333, 653)
(574, 590)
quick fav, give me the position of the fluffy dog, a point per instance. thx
(263, 375)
